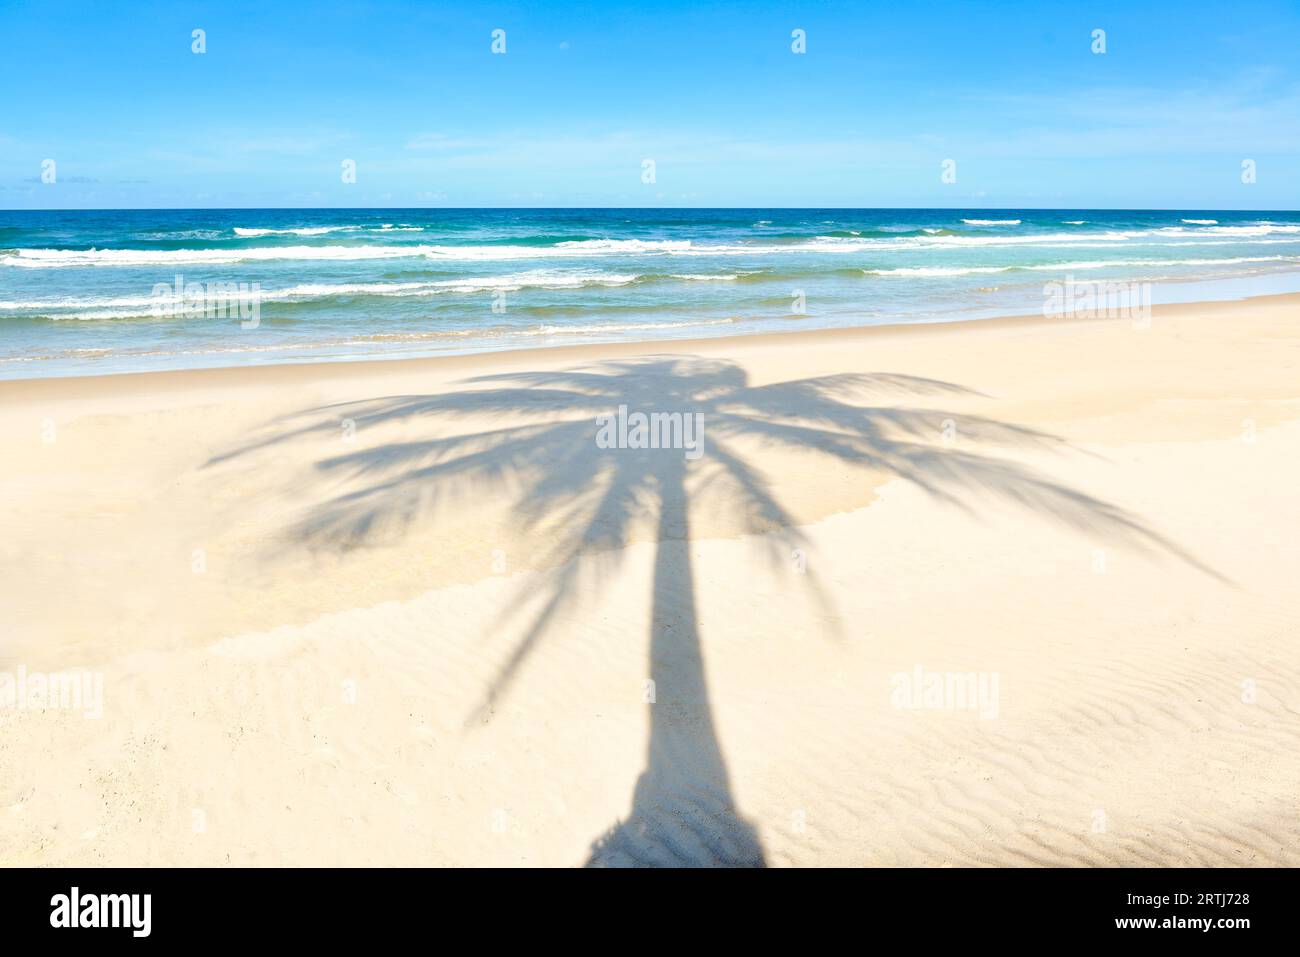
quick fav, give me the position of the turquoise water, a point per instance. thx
(91, 292)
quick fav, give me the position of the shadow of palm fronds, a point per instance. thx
(555, 475)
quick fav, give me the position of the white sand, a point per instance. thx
(429, 644)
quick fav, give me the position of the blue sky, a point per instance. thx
(713, 94)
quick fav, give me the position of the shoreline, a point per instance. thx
(847, 335)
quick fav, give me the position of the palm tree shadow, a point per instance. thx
(552, 467)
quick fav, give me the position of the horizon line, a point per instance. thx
(986, 209)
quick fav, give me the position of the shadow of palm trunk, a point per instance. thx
(683, 813)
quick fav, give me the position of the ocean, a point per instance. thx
(93, 292)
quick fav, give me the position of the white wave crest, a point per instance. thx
(937, 272)
(1260, 230)
(626, 245)
(252, 232)
(931, 272)
(69, 258)
(72, 258)
(127, 307)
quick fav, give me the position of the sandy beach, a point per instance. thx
(1010, 592)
